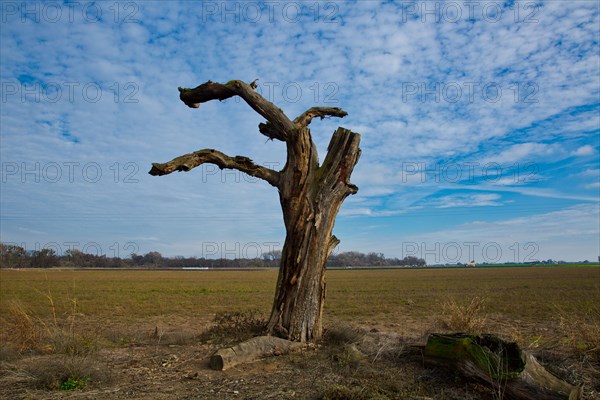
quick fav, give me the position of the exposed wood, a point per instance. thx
(206, 92)
(218, 91)
(252, 350)
(536, 376)
(192, 160)
(269, 131)
(310, 195)
(310, 198)
(306, 117)
(511, 372)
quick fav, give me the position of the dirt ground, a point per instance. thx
(352, 362)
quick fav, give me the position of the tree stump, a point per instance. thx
(511, 372)
(252, 350)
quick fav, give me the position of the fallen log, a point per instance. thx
(252, 350)
(512, 373)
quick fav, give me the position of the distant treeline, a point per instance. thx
(356, 259)
(13, 256)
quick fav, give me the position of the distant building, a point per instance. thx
(472, 264)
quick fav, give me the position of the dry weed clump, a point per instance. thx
(581, 332)
(51, 353)
(342, 334)
(231, 327)
(469, 317)
(24, 332)
(64, 372)
(30, 333)
(390, 349)
(357, 353)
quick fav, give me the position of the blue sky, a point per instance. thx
(480, 124)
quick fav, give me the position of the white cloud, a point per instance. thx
(534, 192)
(586, 150)
(32, 231)
(508, 181)
(591, 172)
(568, 234)
(364, 63)
(580, 219)
(525, 152)
(468, 200)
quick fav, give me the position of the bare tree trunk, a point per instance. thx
(310, 203)
(310, 195)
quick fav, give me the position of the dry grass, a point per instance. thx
(65, 372)
(357, 296)
(49, 352)
(374, 346)
(342, 333)
(581, 333)
(342, 392)
(549, 309)
(31, 333)
(469, 316)
(26, 331)
(234, 327)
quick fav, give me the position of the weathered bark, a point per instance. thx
(511, 372)
(322, 112)
(310, 196)
(282, 126)
(192, 160)
(252, 350)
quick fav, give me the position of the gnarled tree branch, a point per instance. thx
(323, 112)
(206, 92)
(280, 123)
(303, 120)
(192, 160)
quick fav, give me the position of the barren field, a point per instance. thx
(148, 334)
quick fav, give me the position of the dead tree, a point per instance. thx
(310, 195)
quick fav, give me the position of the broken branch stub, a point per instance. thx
(252, 350)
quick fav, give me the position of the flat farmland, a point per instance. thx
(135, 316)
(534, 293)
